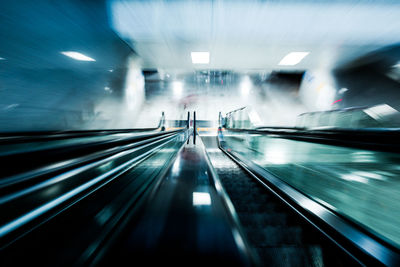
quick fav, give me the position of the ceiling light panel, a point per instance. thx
(200, 57)
(77, 56)
(293, 58)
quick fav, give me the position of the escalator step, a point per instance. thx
(274, 236)
(292, 256)
(251, 197)
(259, 220)
(242, 206)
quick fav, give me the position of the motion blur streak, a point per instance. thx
(203, 132)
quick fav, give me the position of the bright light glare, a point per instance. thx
(371, 175)
(354, 177)
(293, 58)
(245, 86)
(176, 166)
(77, 56)
(254, 118)
(380, 112)
(276, 155)
(2, 58)
(201, 199)
(178, 88)
(200, 57)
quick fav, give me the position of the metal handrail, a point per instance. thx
(370, 139)
(18, 137)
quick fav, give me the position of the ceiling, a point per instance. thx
(254, 35)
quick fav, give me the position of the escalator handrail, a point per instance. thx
(373, 139)
(62, 166)
(94, 144)
(34, 136)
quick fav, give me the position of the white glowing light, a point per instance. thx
(200, 57)
(380, 112)
(254, 118)
(177, 87)
(293, 58)
(325, 97)
(200, 199)
(371, 175)
(354, 177)
(245, 86)
(77, 56)
(176, 166)
(343, 90)
(2, 58)
(276, 155)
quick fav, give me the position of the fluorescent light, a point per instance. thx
(200, 57)
(293, 58)
(200, 199)
(77, 56)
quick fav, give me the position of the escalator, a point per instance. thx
(61, 212)
(279, 236)
(166, 196)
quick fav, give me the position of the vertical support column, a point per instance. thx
(162, 122)
(194, 128)
(188, 127)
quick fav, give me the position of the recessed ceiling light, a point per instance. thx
(293, 58)
(200, 57)
(77, 56)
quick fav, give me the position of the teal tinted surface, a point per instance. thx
(362, 185)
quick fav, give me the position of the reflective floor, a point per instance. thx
(359, 184)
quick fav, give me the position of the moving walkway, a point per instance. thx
(166, 196)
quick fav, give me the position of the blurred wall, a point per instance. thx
(373, 79)
(42, 89)
(318, 90)
(273, 97)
